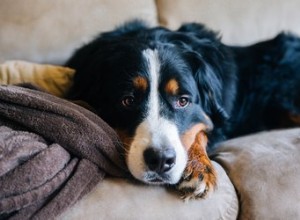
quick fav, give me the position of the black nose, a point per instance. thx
(160, 160)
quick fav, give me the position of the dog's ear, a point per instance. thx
(84, 53)
(213, 69)
(89, 60)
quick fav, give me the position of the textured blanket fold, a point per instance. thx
(52, 152)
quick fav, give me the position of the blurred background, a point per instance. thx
(48, 31)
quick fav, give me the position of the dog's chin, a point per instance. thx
(153, 178)
(156, 179)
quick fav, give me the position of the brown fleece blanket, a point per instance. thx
(52, 152)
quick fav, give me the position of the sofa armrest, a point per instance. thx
(265, 170)
(121, 199)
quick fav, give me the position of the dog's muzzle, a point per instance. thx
(160, 160)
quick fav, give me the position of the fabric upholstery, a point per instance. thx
(239, 22)
(48, 32)
(265, 170)
(119, 199)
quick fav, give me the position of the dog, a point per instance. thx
(172, 95)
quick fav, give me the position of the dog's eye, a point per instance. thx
(128, 101)
(183, 101)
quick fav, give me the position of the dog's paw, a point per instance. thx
(199, 177)
(198, 181)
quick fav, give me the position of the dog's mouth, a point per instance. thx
(155, 178)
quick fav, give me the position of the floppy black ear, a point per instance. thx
(89, 59)
(213, 69)
(82, 55)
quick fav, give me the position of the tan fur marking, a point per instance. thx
(140, 83)
(172, 87)
(199, 171)
(295, 119)
(199, 168)
(288, 120)
(189, 136)
(199, 163)
(125, 138)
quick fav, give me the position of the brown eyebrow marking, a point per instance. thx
(172, 87)
(140, 83)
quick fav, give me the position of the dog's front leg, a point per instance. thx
(199, 177)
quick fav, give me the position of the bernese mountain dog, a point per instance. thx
(169, 94)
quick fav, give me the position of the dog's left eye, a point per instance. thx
(183, 101)
(128, 101)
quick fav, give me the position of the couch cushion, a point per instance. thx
(240, 22)
(48, 31)
(265, 170)
(120, 199)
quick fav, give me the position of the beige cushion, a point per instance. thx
(240, 22)
(48, 31)
(119, 199)
(265, 169)
(53, 79)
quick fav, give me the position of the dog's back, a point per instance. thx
(268, 92)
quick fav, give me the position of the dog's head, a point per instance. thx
(157, 88)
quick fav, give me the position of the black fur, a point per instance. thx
(268, 85)
(241, 89)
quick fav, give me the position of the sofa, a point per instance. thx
(258, 174)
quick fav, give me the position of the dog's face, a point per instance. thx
(145, 84)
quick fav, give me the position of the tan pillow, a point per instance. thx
(265, 171)
(53, 79)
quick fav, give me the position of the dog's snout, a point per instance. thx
(159, 160)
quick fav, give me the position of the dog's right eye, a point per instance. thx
(128, 101)
(182, 102)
